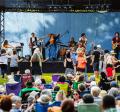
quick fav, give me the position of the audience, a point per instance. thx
(95, 91)
(16, 103)
(67, 106)
(76, 97)
(108, 103)
(5, 104)
(88, 98)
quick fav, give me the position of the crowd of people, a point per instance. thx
(74, 91)
(68, 94)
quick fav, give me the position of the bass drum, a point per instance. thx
(61, 53)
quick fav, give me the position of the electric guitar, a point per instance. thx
(115, 45)
(40, 40)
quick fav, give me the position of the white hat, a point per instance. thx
(33, 94)
(98, 46)
(44, 99)
(70, 75)
(38, 82)
(46, 92)
(93, 83)
(27, 71)
(30, 99)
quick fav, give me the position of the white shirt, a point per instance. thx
(4, 59)
(13, 62)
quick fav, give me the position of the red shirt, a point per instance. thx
(109, 71)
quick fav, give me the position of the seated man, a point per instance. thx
(24, 93)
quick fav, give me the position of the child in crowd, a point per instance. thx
(3, 62)
(110, 71)
(68, 64)
(81, 62)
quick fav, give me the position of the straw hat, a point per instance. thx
(112, 52)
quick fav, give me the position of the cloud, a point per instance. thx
(103, 27)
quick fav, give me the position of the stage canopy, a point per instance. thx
(59, 5)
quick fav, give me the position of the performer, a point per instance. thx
(116, 44)
(6, 45)
(83, 39)
(72, 42)
(52, 46)
(33, 42)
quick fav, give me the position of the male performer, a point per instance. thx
(83, 39)
(116, 44)
(33, 42)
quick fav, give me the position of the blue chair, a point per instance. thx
(48, 86)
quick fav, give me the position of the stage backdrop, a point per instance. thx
(98, 27)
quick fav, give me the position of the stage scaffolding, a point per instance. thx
(2, 27)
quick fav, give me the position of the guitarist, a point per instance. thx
(116, 44)
(33, 42)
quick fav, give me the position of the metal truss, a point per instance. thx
(2, 27)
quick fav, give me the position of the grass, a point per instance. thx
(46, 76)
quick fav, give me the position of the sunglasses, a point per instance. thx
(75, 94)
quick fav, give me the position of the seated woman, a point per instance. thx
(104, 83)
(76, 98)
(68, 106)
(60, 96)
(83, 90)
(108, 104)
(42, 104)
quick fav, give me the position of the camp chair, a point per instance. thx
(90, 107)
(13, 88)
(55, 77)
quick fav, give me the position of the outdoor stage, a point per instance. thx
(53, 67)
(49, 67)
